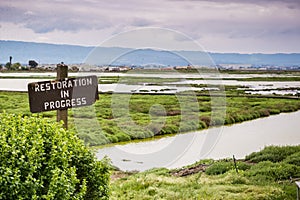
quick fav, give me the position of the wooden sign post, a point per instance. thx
(62, 93)
(62, 73)
(298, 189)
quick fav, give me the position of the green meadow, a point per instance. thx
(268, 174)
(127, 117)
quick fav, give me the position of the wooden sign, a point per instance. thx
(62, 94)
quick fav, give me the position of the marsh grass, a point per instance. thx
(266, 177)
(263, 180)
(124, 117)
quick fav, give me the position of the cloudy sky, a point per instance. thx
(244, 26)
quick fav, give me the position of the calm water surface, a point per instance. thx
(222, 142)
(21, 85)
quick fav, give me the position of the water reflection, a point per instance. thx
(239, 140)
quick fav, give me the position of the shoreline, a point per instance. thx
(158, 137)
(139, 156)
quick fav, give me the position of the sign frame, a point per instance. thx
(63, 94)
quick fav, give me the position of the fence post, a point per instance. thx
(235, 166)
(62, 73)
(298, 188)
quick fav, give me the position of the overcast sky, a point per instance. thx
(243, 26)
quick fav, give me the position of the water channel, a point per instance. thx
(216, 143)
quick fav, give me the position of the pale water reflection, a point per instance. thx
(183, 149)
(14, 84)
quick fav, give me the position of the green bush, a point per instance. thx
(202, 125)
(206, 120)
(93, 138)
(41, 160)
(229, 119)
(219, 168)
(243, 166)
(122, 137)
(273, 171)
(274, 111)
(169, 129)
(224, 166)
(293, 159)
(217, 121)
(264, 112)
(273, 153)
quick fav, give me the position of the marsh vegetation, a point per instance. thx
(125, 117)
(267, 174)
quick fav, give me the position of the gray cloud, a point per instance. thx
(12, 14)
(185, 15)
(200, 19)
(290, 3)
(141, 22)
(47, 18)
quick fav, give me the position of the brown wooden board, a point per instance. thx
(62, 94)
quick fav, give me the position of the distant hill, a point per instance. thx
(52, 53)
(41, 52)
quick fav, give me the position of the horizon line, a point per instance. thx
(90, 46)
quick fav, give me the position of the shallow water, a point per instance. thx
(15, 84)
(221, 142)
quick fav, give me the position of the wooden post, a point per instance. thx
(235, 166)
(298, 189)
(62, 73)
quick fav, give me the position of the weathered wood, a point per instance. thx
(62, 115)
(298, 189)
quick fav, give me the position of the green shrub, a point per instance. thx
(219, 168)
(169, 129)
(122, 137)
(273, 171)
(41, 160)
(113, 138)
(233, 178)
(93, 138)
(274, 111)
(202, 125)
(217, 121)
(224, 166)
(273, 153)
(293, 159)
(229, 119)
(238, 118)
(264, 112)
(242, 166)
(206, 120)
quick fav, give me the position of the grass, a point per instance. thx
(150, 185)
(119, 117)
(261, 180)
(123, 117)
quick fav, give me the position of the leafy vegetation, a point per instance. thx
(262, 180)
(224, 166)
(124, 117)
(274, 154)
(41, 160)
